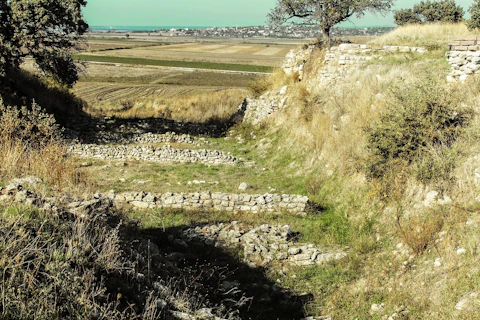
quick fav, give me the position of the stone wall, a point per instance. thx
(151, 153)
(256, 203)
(338, 63)
(464, 59)
(148, 137)
(262, 244)
(342, 60)
(295, 61)
(270, 102)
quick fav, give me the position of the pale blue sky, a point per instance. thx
(202, 12)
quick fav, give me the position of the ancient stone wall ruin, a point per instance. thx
(342, 60)
(151, 153)
(256, 203)
(338, 63)
(464, 58)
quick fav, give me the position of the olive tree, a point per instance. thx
(324, 13)
(46, 30)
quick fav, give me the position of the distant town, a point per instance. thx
(291, 31)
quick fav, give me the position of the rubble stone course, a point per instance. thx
(151, 153)
(256, 203)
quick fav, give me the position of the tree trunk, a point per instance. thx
(326, 36)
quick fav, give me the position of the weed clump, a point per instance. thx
(416, 133)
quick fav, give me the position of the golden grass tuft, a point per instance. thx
(424, 34)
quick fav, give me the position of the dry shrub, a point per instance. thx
(56, 267)
(30, 144)
(418, 231)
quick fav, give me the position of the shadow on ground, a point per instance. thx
(212, 277)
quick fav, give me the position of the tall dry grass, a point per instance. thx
(425, 34)
(204, 107)
(30, 144)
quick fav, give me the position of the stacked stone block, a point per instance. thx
(464, 59)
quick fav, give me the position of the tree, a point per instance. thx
(325, 13)
(430, 12)
(474, 10)
(46, 30)
(439, 11)
(406, 16)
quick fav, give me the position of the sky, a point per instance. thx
(208, 13)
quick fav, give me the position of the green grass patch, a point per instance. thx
(174, 63)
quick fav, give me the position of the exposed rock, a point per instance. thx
(243, 186)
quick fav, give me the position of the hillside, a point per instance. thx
(345, 186)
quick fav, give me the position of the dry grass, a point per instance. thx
(202, 107)
(326, 127)
(30, 145)
(424, 35)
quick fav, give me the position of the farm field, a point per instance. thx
(228, 51)
(251, 54)
(122, 76)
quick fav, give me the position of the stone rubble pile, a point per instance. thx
(151, 153)
(262, 245)
(464, 59)
(14, 192)
(275, 203)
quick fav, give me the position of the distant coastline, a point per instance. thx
(143, 28)
(157, 28)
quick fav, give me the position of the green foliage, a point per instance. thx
(406, 16)
(46, 30)
(424, 121)
(430, 12)
(474, 10)
(175, 63)
(324, 13)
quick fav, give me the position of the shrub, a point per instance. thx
(423, 121)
